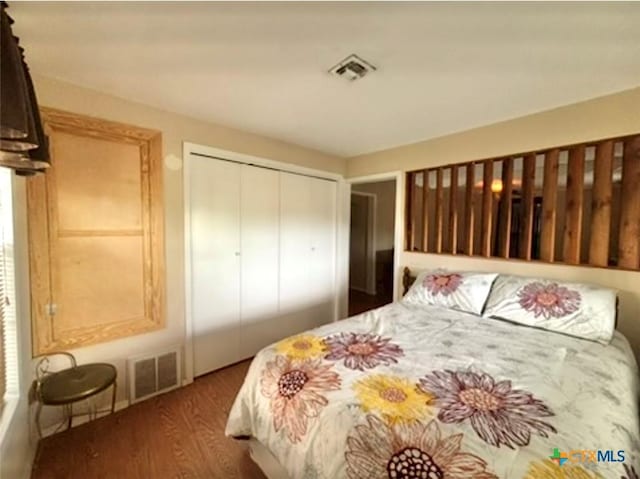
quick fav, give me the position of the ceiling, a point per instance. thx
(262, 67)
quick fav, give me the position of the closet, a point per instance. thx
(262, 257)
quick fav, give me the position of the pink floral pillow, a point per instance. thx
(442, 283)
(549, 300)
(580, 310)
(462, 291)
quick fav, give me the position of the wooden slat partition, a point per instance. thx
(575, 205)
(525, 222)
(601, 205)
(629, 241)
(425, 211)
(468, 213)
(526, 228)
(410, 223)
(504, 222)
(453, 209)
(549, 206)
(487, 209)
(438, 219)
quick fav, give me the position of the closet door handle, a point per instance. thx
(237, 253)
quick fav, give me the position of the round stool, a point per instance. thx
(63, 388)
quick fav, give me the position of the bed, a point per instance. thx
(420, 390)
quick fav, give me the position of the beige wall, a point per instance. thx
(603, 117)
(175, 129)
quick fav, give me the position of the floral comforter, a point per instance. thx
(406, 391)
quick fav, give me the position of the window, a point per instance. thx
(576, 204)
(8, 338)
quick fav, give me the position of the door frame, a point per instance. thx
(341, 278)
(370, 274)
(398, 176)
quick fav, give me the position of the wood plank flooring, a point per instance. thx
(177, 435)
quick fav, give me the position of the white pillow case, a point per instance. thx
(580, 310)
(459, 290)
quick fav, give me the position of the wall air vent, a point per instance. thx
(153, 374)
(352, 68)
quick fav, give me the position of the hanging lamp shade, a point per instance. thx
(23, 145)
(14, 116)
(38, 157)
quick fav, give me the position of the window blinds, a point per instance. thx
(2, 305)
(8, 333)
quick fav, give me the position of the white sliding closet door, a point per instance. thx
(322, 261)
(295, 242)
(260, 237)
(215, 262)
(307, 251)
(262, 246)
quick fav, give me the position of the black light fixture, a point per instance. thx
(23, 144)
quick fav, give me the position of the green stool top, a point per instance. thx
(75, 384)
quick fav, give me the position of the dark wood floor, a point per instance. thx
(360, 302)
(177, 435)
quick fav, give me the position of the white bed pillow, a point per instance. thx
(581, 310)
(459, 290)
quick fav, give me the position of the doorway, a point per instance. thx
(372, 245)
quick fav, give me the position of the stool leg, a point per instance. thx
(113, 396)
(69, 409)
(38, 426)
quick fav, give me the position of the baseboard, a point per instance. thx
(187, 381)
(29, 467)
(28, 464)
(79, 420)
(17, 449)
(30, 459)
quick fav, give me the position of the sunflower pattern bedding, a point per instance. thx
(406, 391)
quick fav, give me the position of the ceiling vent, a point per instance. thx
(352, 68)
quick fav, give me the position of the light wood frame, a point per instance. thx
(39, 209)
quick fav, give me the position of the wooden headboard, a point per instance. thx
(408, 278)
